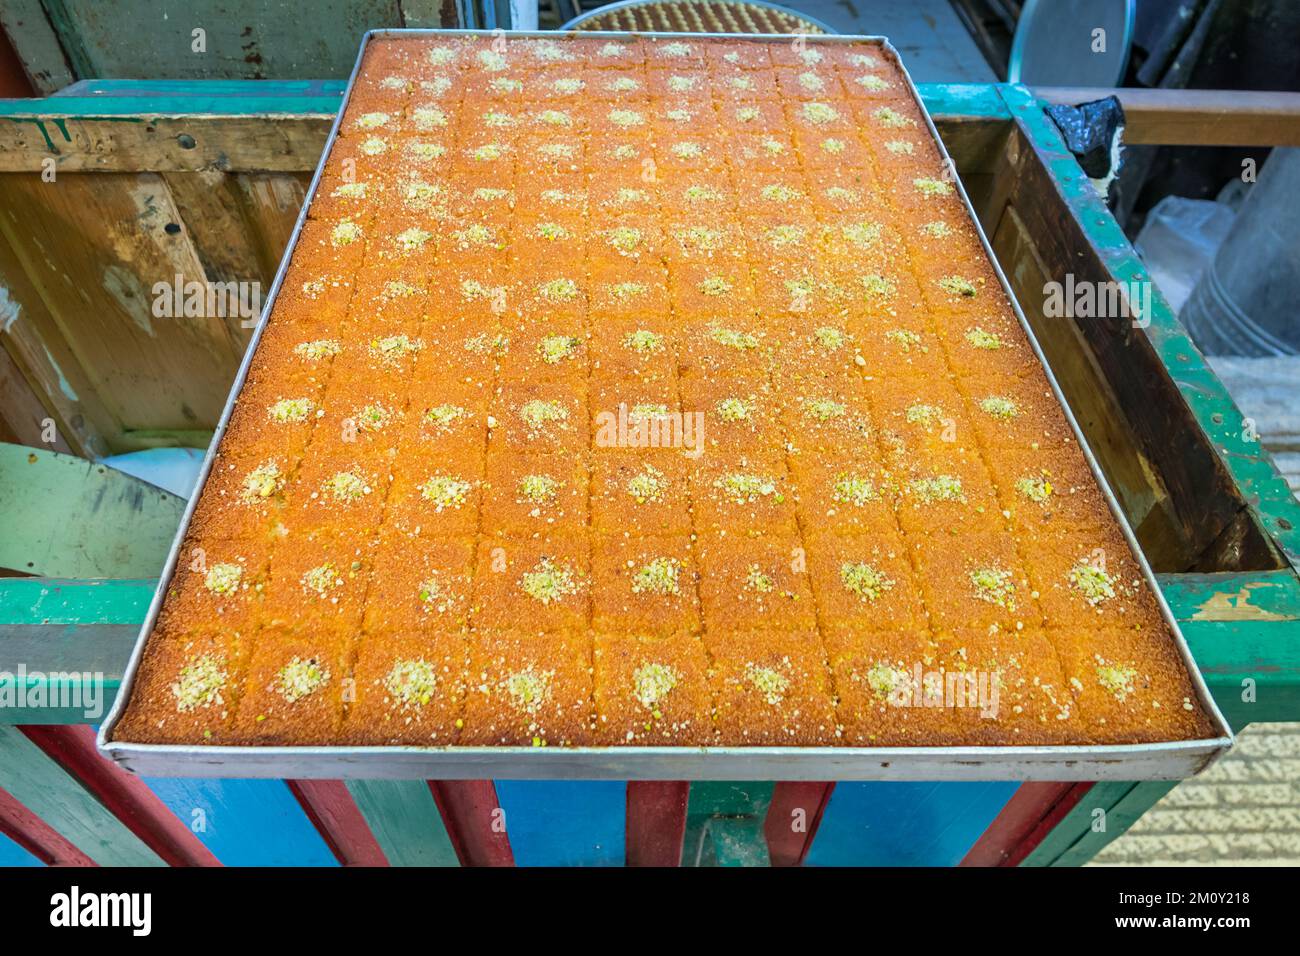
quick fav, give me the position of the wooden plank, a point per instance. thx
(71, 518)
(13, 853)
(335, 815)
(245, 822)
(125, 795)
(404, 819)
(23, 415)
(40, 784)
(565, 822)
(905, 824)
(474, 821)
(34, 837)
(793, 819)
(1195, 117)
(37, 46)
(122, 231)
(656, 822)
(1033, 811)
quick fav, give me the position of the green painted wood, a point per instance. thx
(724, 824)
(1077, 839)
(68, 517)
(405, 820)
(964, 100)
(51, 793)
(136, 108)
(83, 601)
(1249, 464)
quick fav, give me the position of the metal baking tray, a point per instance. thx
(1158, 761)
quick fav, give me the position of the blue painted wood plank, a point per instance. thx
(905, 824)
(245, 822)
(11, 854)
(565, 822)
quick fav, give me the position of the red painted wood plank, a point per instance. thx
(474, 821)
(656, 822)
(126, 796)
(339, 821)
(1031, 813)
(36, 836)
(792, 820)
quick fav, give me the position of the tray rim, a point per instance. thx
(1151, 761)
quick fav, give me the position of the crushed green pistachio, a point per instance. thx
(350, 191)
(345, 233)
(649, 485)
(200, 683)
(626, 118)
(321, 580)
(444, 491)
(556, 348)
(768, 681)
(373, 418)
(932, 187)
(549, 582)
(393, 347)
(627, 290)
(411, 682)
(537, 414)
(428, 117)
(956, 285)
(559, 290)
(785, 235)
(552, 231)
(980, 339)
(900, 147)
(742, 487)
(733, 409)
(652, 682)
(1118, 680)
(1035, 487)
(756, 580)
(644, 341)
(687, 150)
(734, 339)
(861, 233)
(841, 194)
(682, 84)
(374, 146)
(624, 238)
(346, 486)
(819, 113)
(504, 84)
(999, 407)
(1092, 582)
(853, 489)
(660, 576)
(892, 119)
(824, 409)
(871, 83)
(865, 581)
(472, 289)
(223, 578)
(301, 678)
(905, 338)
(995, 586)
(878, 286)
(413, 239)
(937, 229)
(555, 118)
(937, 488)
(883, 678)
(487, 152)
(702, 238)
(291, 410)
(829, 338)
(539, 489)
(924, 415)
(715, 286)
(779, 192)
(701, 194)
(647, 411)
(261, 483)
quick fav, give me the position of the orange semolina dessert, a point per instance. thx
(529, 495)
(295, 688)
(645, 583)
(1130, 686)
(318, 580)
(528, 689)
(187, 687)
(544, 418)
(639, 494)
(742, 494)
(426, 583)
(889, 689)
(865, 582)
(737, 414)
(1087, 577)
(849, 495)
(436, 499)
(771, 688)
(652, 690)
(1013, 683)
(217, 581)
(648, 392)
(1047, 488)
(410, 688)
(756, 583)
(544, 581)
(973, 580)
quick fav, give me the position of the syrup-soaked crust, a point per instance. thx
(648, 392)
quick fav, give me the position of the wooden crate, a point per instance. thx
(209, 177)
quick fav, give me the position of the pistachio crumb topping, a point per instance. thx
(1118, 679)
(394, 347)
(300, 678)
(321, 579)
(743, 487)
(648, 485)
(345, 232)
(819, 113)
(200, 683)
(733, 339)
(782, 236)
(1092, 582)
(768, 681)
(538, 413)
(549, 582)
(411, 682)
(559, 290)
(867, 582)
(1037, 488)
(413, 239)
(779, 192)
(937, 229)
(980, 339)
(261, 483)
(539, 489)
(883, 678)
(625, 118)
(715, 286)
(652, 682)
(346, 487)
(994, 585)
(877, 286)
(861, 233)
(733, 410)
(223, 578)
(556, 348)
(937, 488)
(1000, 407)
(901, 147)
(871, 82)
(958, 286)
(624, 238)
(892, 119)
(904, 338)
(927, 416)
(824, 409)
(853, 489)
(445, 491)
(701, 194)
(660, 576)
(927, 186)
(644, 341)
(443, 417)
(288, 410)
(756, 580)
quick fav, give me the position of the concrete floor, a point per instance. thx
(1245, 810)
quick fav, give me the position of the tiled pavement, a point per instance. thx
(1243, 810)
